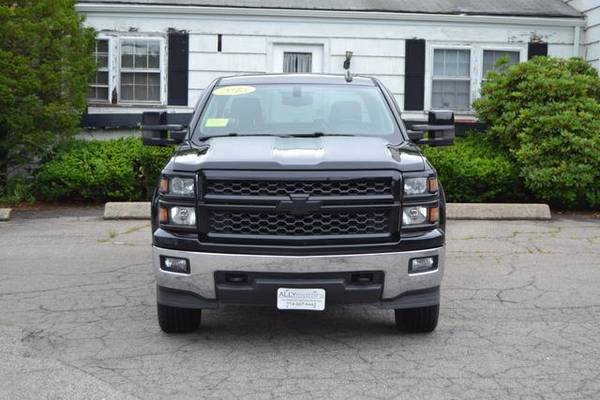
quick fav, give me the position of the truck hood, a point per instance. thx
(276, 153)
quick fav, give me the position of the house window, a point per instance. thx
(297, 62)
(140, 75)
(491, 57)
(98, 90)
(451, 79)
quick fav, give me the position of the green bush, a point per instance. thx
(472, 170)
(98, 171)
(17, 190)
(545, 114)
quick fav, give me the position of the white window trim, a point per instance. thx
(114, 68)
(162, 67)
(476, 71)
(430, 48)
(110, 67)
(276, 43)
(522, 50)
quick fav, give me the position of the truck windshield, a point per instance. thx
(294, 109)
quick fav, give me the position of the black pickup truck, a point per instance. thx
(298, 192)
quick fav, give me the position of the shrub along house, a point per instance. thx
(157, 54)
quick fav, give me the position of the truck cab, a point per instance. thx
(298, 192)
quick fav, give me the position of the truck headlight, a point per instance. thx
(420, 185)
(417, 215)
(185, 216)
(414, 215)
(177, 186)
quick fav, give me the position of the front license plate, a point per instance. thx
(300, 299)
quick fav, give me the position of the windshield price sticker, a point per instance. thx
(216, 122)
(233, 90)
(300, 299)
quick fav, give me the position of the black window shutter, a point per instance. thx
(178, 68)
(414, 77)
(537, 49)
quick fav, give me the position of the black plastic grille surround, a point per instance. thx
(313, 188)
(276, 224)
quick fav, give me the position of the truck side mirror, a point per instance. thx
(439, 131)
(156, 131)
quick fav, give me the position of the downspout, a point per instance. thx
(577, 41)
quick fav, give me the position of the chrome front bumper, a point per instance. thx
(201, 280)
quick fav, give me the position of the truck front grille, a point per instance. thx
(299, 208)
(313, 188)
(275, 224)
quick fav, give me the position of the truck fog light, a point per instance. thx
(414, 215)
(172, 264)
(423, 264)
(183, 215)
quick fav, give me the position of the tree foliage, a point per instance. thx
(45, 65)
(545, 114)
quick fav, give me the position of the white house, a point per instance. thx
(591, 10)
(430, 53)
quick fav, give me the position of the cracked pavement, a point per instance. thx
(520, 319)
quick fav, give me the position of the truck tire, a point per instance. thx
(178, 320)
(417, 320)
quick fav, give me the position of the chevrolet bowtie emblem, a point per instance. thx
(299, 204)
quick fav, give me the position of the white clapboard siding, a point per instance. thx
(592, 34)
(378, 45)
(203, 43)
(194, 96)
(591, 9)
(244, 44)
(368, 47)
(560, 50)
(593, 53)
(227, 62)
(369, 65)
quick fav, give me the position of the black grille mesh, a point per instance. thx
(315, 188)
(261, 223)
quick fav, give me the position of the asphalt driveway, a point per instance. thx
(520, 319)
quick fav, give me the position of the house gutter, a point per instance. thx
(577, 41)
(329, 14)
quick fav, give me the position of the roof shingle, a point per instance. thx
(530, 8)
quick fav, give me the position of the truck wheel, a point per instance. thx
(417, 320)
(178, 320)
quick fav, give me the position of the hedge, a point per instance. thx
(99, 171)
(472, 170)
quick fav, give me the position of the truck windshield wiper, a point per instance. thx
(231, 134)
(235, 134)
(318, 134)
